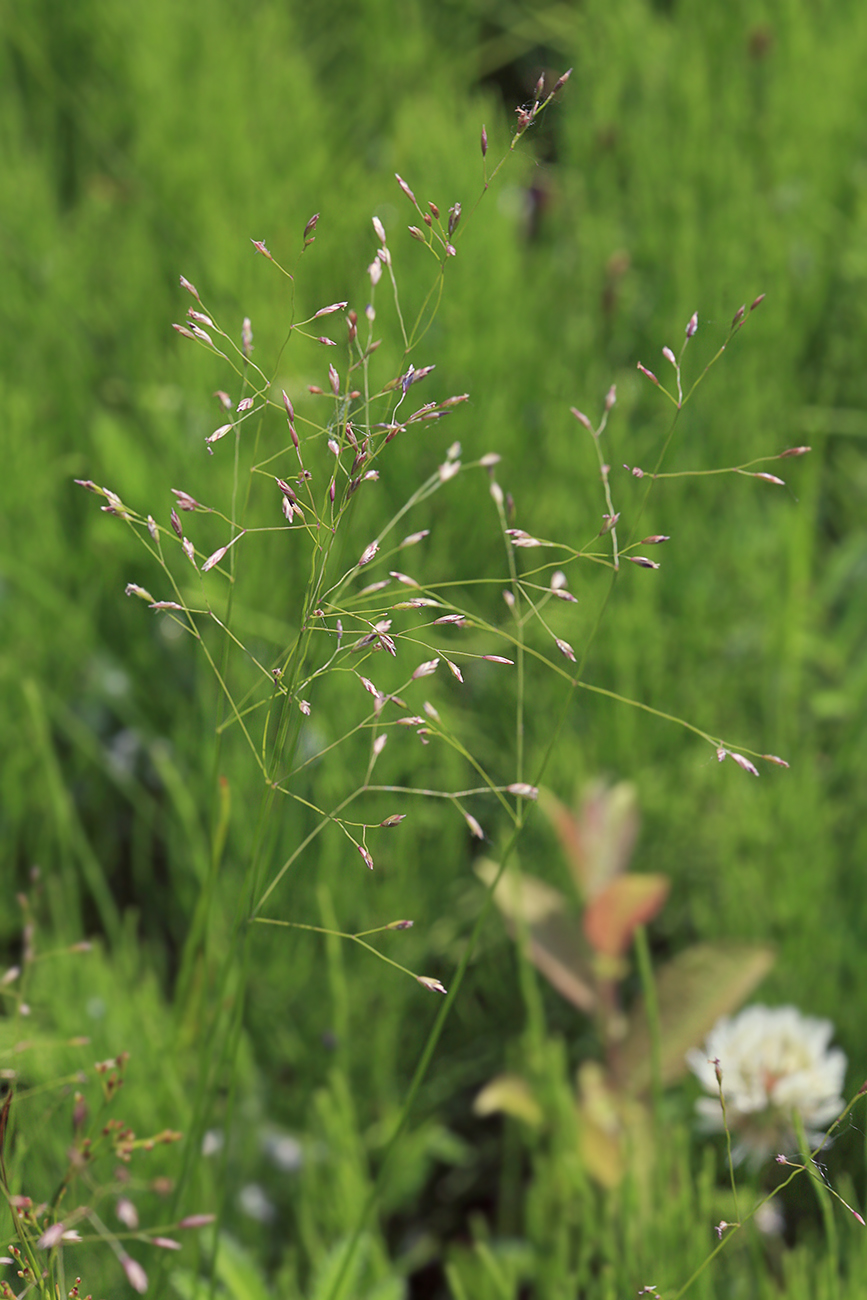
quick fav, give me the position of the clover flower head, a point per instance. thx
(775, 1063)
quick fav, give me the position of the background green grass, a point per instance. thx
(699, 156)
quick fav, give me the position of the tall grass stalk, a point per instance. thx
(265, 701)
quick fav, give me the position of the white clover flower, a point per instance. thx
(775, 1063)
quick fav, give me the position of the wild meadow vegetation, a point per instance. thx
(506, 593)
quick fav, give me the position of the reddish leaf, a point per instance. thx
(611, 918)
(598, 841)
(557, 946)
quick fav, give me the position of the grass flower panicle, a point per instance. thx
(775, 1063)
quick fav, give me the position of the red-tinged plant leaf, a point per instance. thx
(693, 990)
(611, 918)
(599, 839)
(557, 945)
(566, 824)
(509, 1094)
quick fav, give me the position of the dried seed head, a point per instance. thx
(427, 982)
(127, 1213)
(581, 418)
(214, 558)
(426, 669)
(692, 325)
(50, 1237)
(202, 1220)
(649, 373)
(185, 501)
(247, 336)
(475, 828)
(454, 670)
(407, 191)
(414, 538)
(326, 311)
(259, 245)
(135, 1274)
(484, 141)
(404, 578)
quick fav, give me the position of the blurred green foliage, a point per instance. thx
(699, 156)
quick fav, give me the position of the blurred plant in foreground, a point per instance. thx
(585, 959)
(775, 1064)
